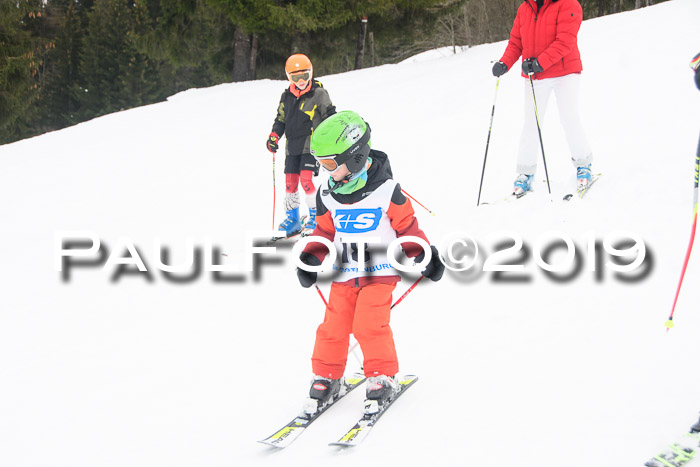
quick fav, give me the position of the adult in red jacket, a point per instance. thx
(545, 34)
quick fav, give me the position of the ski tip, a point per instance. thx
(568, 196)
(407, 379)
(271, 444)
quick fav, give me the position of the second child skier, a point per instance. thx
(303, 105)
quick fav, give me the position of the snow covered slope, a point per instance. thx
(110, 369)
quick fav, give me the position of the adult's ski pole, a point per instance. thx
(488, 140)
(539, 132)
(669, 322)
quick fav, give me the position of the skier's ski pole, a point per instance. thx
(352, 348)
(321, 294)
(414, 199)
(407, 292)
(488, 140)
(274, 191)
(539, 132)
(669, 322)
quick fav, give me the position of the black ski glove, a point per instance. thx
(531, 65)
(307, 278)
(435, 268)
(273, 142)
(499, 68)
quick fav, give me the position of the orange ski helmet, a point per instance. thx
(299, 66)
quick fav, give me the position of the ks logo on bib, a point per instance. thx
(357, 220)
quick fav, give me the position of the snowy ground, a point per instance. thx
(141, 370)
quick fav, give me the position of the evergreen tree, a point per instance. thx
(194, 38)
(19, 68)
(60, 97)
(115, 74)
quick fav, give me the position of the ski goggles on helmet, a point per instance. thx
(300, 76)
(359, 150)
(329, 163)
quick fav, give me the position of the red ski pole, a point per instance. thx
(669, 322)
(321, 294)
(274, 191)
(414, 199)
(354, 346)
(407, 292)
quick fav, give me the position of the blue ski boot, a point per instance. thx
(522, 185)
(291, 225)
(310, 224)
(583, 176)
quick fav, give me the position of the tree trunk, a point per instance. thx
(253, 56)
(371, 48)
(241, 51)
(360, 53)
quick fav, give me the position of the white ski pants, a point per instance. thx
(566, 90)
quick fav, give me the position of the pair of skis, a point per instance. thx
(580, 192)
(292, 430)
(677, 454)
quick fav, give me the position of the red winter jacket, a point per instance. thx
(549, 35)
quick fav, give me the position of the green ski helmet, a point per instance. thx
(342, 138)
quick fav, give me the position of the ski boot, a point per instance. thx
(522, 185)
(379, 390)
(695, 428)
(322, 392)
(583, 176)
(310, 224)
(291, 225)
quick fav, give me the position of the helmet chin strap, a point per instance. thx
(339, 183)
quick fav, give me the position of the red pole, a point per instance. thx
(414, 199)
(321, 294)
(407, 292)
(274, 191)
(669, 322)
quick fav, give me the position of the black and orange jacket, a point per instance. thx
(400, 213)
(299, 112)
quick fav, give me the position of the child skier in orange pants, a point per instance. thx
(361, 201)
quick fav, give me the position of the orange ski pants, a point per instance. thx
(364, 312)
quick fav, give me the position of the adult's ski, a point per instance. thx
(363, 426)
(291, 431)
(677, 454)
(581, 191)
